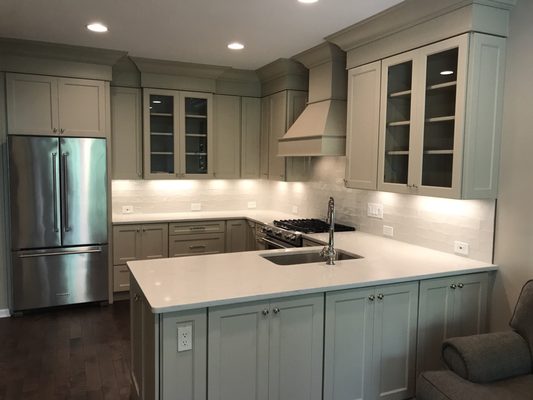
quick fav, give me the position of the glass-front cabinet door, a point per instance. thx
(197, 134)
(177, 134)
(422, 119)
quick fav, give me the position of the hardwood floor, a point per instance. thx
(74, 353)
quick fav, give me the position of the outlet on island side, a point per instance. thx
(184, 337)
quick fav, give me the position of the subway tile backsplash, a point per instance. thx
(431, 222)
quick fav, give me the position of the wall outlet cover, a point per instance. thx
(252, 204)
(375, 210)
(388, 231)
(196, 206)
(461, 248)
(127, 209)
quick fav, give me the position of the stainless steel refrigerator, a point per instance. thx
(58, 201)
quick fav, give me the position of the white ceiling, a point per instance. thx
(188, 30)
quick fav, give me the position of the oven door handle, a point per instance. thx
(278, 245)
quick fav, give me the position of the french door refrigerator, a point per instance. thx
(58, 202)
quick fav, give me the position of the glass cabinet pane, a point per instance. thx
(196, 131)
(398, 122)
(162, 134)
(439, 123)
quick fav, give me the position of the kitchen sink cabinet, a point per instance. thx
(370, 343)
(449, 307)
(126, 133)
(46, 105)
(136, 242)
(266, 350)
(278, 113)
(178, 134)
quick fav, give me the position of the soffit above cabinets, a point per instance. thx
(195, 31)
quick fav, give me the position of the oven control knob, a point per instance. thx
(268, 230)
(278, 234)
(292, 237)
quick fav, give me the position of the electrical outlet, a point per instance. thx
(461, 248)
(184, 337)
(375, 210)
(127, 209)
(295, 209)
(388, 230)
(196, 206)
(252, 204)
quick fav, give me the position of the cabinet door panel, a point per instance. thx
(348, 345)
(154, 241)
(236, 238)
(126, 133)
(250, 137)
(364, 85)
(277, 122)
(435, 322)
(470, 305)
(126, 243)
(296, 348)
(227, 135)
(264, 138)
(82, 107)
(238, 352)
(32, 107)
(395, 328)
(121, 278)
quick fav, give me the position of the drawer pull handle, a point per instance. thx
(197, 228)
(265, 312)
(197, 247)
(380, 296)
(371, 297)
(460, 286)
(453, 286)
(63, 294)
(276, 310)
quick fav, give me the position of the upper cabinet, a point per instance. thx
(177, 134)
(278, 113)
(45, 105)
(126, 133)
(439, 120)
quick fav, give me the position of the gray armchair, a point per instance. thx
(493, 366)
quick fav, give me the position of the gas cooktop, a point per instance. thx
(310, 226)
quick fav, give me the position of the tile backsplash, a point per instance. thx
(427, 221)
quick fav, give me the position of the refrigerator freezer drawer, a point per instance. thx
(53, 277)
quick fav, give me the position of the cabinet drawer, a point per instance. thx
(186, 228)
(188, 245)
(121, 278)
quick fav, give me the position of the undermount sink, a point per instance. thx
(306, 257)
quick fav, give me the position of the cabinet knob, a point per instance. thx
(460, 286)
(62, 130)
(380, 296)
(265, 312)
(54, 130)
(136, 297)
(453, 286)
(276, 310)
(371, 297)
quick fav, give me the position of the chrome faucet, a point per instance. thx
(329, 252)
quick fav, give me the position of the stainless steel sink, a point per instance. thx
(306, 257)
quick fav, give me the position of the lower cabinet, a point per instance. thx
(236, 235)
(266, 350)
(449, 307)
(370, 343)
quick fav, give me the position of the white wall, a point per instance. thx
(514, 225)
(430, 222)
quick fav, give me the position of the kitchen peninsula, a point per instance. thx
(231, 326)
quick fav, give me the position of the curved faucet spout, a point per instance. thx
(329, 252)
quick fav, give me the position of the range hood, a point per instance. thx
(321, 128)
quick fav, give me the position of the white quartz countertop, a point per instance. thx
(263, 216)
(175, 284)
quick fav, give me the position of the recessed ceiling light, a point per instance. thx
(97, 27)
(307, 1)
(235, 46)
(447, 72)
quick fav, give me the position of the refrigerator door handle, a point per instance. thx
(54, 189)
(66, 225)
(59, 253)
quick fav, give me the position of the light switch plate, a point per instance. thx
(375, 210)
(184, 337)
(461, 248)
(196, 206)
(127, 209)
(252, 204)
(388, 231)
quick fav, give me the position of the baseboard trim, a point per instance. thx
(4, 313)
